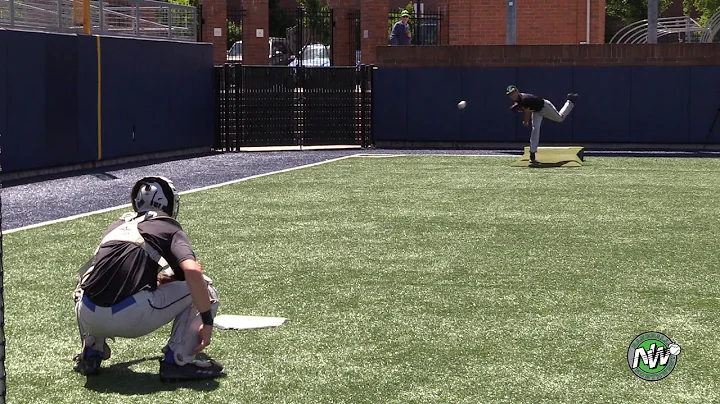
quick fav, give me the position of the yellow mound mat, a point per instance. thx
(571, 156)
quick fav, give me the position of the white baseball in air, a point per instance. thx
(674, 349)
(462, 104)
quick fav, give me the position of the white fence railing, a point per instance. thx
(135, 18)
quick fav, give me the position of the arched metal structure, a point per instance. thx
(637, 31)
(712, 28)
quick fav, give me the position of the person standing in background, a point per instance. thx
(401, 34)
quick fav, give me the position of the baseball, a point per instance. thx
(462, 104)
(674, 349)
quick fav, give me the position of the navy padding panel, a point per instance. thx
(660, 103)
(61, 100)
(87, 116)
(3, 94)
(190, 120)
(553, 84)
(389, 118)
(602, 112)
(432, 97)
(153, 90)
(487, 116)
(24, 145)
(704, 104)
(119, 96)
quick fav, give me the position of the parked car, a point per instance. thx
(313, 55)
(278, 52)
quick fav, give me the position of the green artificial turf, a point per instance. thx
(408, 280)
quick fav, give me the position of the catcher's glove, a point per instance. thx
(166, 276)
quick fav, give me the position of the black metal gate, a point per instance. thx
(292, 106)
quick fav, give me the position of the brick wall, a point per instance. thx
(476, 22)
(559, 22)
(255, 50)
(214, 14)
(668, 54)
(343, 45)
(374, 19)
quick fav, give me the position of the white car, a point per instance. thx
(313, 55)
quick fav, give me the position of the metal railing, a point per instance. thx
(637, 32)
(133, 18)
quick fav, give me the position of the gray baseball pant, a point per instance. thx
(145, 312)
(550, 112)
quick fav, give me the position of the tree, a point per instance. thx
(316, 17)
(706, 8)
(630, 11)
(234, 33)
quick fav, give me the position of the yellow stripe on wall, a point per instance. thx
(99, 101)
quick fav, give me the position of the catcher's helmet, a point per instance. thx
(155, 193)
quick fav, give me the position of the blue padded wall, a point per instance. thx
(488, 117)
(602, 112)
(660, 105)
(389, 113)
(87, 98)
(3, 92)
(61, 99)
(704, 104)
(24, 146)
(164, 103)
(674, 105)
(432, 98)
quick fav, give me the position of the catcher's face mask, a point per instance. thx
(155, 193)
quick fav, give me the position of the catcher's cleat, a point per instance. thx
(88, 362)
(199, 369)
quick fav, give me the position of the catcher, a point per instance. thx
(536, 108)
(144, 274)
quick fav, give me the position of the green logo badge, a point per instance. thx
(652, 356)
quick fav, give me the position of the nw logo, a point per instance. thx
(652, 356)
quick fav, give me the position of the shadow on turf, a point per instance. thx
(548, 165)
(120, 379)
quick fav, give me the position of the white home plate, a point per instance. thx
(235, 322)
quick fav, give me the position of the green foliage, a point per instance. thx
(317, 19)
(706, 8)
(234, 33)
(395, 17)
(633, 10)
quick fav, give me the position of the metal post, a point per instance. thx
(137, 19)
(652, 21)
(87, 24)
(12, 13)
(102, 15)
(169, 21)
(332, 38)
(59, 11)
(511, 33)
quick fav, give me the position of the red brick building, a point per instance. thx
(464, 22)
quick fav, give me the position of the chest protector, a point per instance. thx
(128, 232)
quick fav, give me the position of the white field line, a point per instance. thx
(127, 205)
